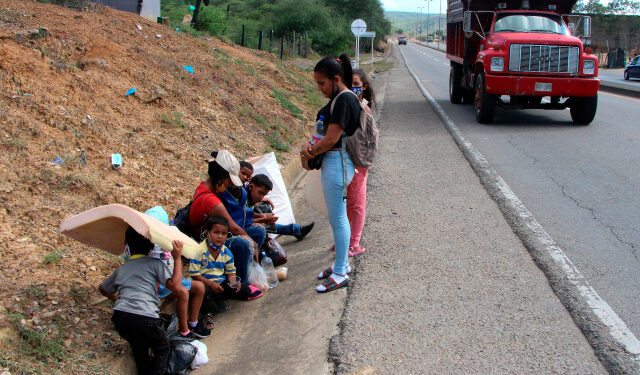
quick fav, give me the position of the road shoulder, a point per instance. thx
(445, 286)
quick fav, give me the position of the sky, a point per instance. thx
(412, 5)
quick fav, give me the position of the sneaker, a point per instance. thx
(304, 231)
(200, 331)
(188, 337)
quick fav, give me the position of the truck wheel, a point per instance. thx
(583, 110)
(455, 88)
(485, 103)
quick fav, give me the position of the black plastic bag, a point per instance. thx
(275, 251)
(182, 354)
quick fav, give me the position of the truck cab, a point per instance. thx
(508, 49)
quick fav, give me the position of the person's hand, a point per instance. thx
(305, 151)
(177, 249)
(216, 288)
(238, 288)
(271, 219)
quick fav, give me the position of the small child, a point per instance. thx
(191, 293)
(215, 266)
(259, 187)
(135, 315)
(246, 171)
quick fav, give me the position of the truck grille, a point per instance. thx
(542, 58)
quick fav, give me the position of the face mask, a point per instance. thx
(214, 247)
(357, 90)
(127, 252)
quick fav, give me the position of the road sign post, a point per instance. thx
(357, 28)
(372, 35)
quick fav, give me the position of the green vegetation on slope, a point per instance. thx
(325, 22)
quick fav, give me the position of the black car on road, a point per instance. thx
(633, 69)
(402, 40)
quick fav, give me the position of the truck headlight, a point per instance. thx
(589, 67)
(497, 64)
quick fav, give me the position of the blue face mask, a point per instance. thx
(357, 90)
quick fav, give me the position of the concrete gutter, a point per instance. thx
(606, 86)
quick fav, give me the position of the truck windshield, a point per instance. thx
(529, 23)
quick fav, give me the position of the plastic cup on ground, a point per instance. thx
(234, 282)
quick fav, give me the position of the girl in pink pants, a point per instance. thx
(357, 190)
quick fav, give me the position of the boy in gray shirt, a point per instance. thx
(133, 287)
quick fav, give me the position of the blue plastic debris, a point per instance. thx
(116, 161)
(177, 29)
(57, 161)
(188, 68)
(131, 91)
(192, 8)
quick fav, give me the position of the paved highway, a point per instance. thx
(581, 183)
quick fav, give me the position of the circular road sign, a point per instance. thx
(358, 27)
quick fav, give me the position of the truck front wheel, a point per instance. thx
(455, 87)
(583, 110)
(485, 103)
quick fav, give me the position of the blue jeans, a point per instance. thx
(287, 230)
(332, 177)
(240, 248)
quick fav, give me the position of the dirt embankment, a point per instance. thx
(63, 79)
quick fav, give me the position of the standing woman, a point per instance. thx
(357, 191)
(334, 78)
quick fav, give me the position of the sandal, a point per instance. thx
(330, 285)
(329, 271)
(353, 252)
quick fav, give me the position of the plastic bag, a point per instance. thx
(201, 356)
(256, 276)
(182, 354)
(275, 251)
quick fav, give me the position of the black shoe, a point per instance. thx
(304, 231)
(200, 331)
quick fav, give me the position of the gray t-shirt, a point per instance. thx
(136, 283)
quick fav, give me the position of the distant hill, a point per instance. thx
(409, 23)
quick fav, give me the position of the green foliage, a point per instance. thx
(174, 119)
(52, 257)
(36, 343)
(36, 291)
(618, 7)
(325, 22)
(282, 99)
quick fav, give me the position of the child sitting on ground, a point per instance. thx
(215, 267)
(189, 298)
(135, 314)
(259, 187)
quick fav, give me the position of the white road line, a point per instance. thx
(603, 311)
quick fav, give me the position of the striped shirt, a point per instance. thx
(211, 268)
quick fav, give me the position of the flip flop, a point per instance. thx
(331, 285)
(255, 293)
(360, 250)
(329, 271)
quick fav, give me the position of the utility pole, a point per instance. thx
(440, 27)
(420, 22)
(427, 21)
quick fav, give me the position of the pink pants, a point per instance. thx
(356, 205)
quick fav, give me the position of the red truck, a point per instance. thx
(527, 52)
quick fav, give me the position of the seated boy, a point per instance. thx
(259, 187)
(135, 314)
(189, 298)
(215, 267)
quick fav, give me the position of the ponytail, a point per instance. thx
(330, 67)
(347, 72)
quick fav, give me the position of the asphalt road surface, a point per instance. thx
(581, 183)
(445, 286)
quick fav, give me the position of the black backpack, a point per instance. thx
(181, 220)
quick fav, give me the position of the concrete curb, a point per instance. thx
(615, 346)
(610, 87)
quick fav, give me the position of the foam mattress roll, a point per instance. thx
(104, 227)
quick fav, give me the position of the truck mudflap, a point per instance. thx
(541, 86)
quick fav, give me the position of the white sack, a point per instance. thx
(268, 165)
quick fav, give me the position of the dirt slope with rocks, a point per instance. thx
(64, 75)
